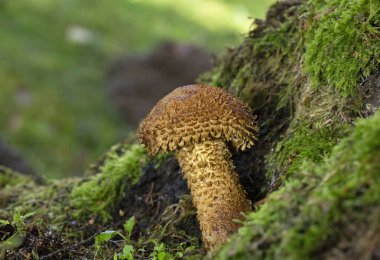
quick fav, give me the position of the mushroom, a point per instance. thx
(199, 123)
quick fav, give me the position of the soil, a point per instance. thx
(369, 89)
(157, 190)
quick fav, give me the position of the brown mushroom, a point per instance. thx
(198, 122)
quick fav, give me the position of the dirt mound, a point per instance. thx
(10, 159)
(136, 83)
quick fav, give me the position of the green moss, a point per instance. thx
(274, 54)
(319, 117)
(49, 203)
(342, 43)
(264, 71)
(318, 207)
(121, 168)
(48, 200)
(306, 143)
(11, 178)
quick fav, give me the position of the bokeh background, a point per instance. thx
(71, 70)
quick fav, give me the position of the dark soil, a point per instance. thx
(369, 89)
(156, 190)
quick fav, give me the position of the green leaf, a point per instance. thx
(104, 237)
(14, 241)
(128, 251)
(19, 220)
(189, 249)
(160, 247)
(179, 255)
(165, 256)
(4, 222)
(128, 226)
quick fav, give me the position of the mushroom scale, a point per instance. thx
(217, 194)
(196, 113)
(198, 121)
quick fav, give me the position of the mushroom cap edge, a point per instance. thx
(195, 113)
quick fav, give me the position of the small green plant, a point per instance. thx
(128, 250)
(15, 240)
(150, 246)
(159, 252)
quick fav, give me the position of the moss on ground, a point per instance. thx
(316, 208)
(12, 178)
(65, 217)
(49, 202)
(60, 202)
(122, 167)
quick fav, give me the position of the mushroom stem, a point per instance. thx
(217, 194)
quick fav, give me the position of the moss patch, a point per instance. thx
(342, 42)
(306, 143)
(265, 72)
(11, 178)
(95, 197)
(301, 124)
(69, 214)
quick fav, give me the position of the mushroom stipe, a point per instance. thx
(197, 122)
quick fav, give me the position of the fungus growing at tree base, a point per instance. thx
(198, 122)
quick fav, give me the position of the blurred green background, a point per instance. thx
(54, 108)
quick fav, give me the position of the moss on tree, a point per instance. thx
(323, 209)
(342, 42)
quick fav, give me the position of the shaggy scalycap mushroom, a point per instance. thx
(198, 122)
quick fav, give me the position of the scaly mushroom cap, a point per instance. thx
(196, 113)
